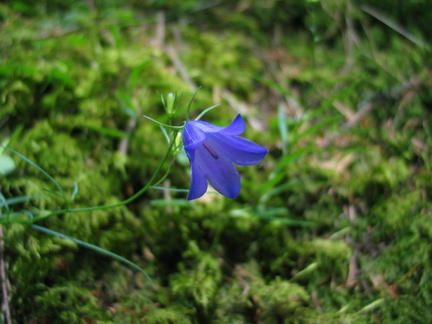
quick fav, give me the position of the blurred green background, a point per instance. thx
(334, 226)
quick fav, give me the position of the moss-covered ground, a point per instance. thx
(334, 226)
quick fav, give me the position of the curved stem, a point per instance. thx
(122, 203)
(164, 125)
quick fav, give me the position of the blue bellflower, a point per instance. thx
(212, 150)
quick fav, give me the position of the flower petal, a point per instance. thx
(212, 150)
(220, 172)
(236, 127)
(193, 136)
(205, 127)
(237, 149)
(198, 185)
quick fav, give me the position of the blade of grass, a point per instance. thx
(37, 167)
(190, 103)
(93, 248)
(172, 202)
(399, 29)
(3, 202)
(126, 103)
(283, 129)
(17, 200)
(271, 214)
(21, 217)
(205, 112)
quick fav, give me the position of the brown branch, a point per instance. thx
(398, 28)
(124, 143)
(175, 59)
(3, 278)
(351, 38)
(393, 94)
(160, 29)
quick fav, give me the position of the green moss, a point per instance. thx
(281, 300)
(56, 302)
(395, 214)
(333, 227)
(332, 257)
(198, 279)
(52, 151)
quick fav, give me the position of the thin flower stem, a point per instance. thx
(122, 203)
(163, 177)
(164, 125)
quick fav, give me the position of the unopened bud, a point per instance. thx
(170, 104)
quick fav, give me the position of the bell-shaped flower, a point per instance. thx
(212, 150)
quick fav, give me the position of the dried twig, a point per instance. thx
(275, 71)
(124, 143)
(4, 289)
(172, 53)
(167, 195)
(351, 38)
(160, 29)
(393, 94)
(385, 20)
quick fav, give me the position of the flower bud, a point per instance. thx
(170, 104)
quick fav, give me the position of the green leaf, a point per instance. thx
(60, 189)
(92, 247)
